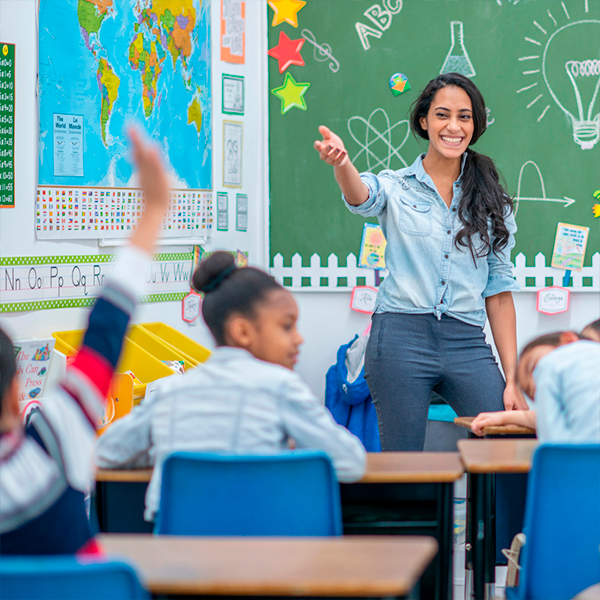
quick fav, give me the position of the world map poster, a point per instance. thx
(104, 64)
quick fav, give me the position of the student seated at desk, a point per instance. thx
(245, 399)
(47, 468)
(561, 373)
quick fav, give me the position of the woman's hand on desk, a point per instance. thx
(513, 398)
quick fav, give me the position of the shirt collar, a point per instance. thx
(419, 172)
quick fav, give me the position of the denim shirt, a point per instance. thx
(427, 272)
(567, 394)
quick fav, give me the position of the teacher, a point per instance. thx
(450, 227)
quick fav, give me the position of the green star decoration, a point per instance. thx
(291, 94)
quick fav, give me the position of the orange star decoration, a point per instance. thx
(286, 11)
(287, 52)
(596, 210)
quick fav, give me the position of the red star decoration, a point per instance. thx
(287, 52)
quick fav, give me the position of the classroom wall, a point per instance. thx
(17, 237)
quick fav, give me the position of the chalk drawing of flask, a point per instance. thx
(457, 60)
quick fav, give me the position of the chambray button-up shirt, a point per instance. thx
(427, 272)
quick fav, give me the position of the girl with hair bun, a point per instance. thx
(244, 399)
(450, 227)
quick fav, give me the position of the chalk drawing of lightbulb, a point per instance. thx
(571, 70)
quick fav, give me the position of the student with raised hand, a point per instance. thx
(560, 372)
(450, 227)
(245, 399)
(47, 468)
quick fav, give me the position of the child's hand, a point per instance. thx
(154, 183)
(487, 419)
(331, 149)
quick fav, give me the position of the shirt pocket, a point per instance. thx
(415, 217)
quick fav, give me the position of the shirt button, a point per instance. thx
(448, 232)
(454, 209)
(446, 256)
(443, 283)
(345, 388)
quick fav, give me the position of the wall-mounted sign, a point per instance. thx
(363, 299)
(7, 125)
(553, 300)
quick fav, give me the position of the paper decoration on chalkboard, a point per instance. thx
(291, 94)
(596, 210)
(399, 84)
(241, 259)
(232, 97)
(233, 36)
(553, 300)
(457, 59)
(287, 52)
(286, 11)
(33, 360)
(363, 299)
(372, 247)
(232, 153)
(569, 247)
(190, 309)
(7, 131)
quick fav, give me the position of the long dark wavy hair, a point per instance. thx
(483, 195)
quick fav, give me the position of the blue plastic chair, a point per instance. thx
(65, 578)
(561, 556)
(287, 494)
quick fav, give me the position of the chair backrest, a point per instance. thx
(65, 578)
(561, 556)
(287, 494)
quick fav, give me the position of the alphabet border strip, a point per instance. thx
(62, 281)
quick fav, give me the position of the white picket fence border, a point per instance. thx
(315, 272)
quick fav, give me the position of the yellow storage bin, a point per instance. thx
(134, 358)
(192, 351)
(156, 346)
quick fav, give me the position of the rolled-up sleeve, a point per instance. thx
(380, 187)
(500, 269)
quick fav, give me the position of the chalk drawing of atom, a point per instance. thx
(374, 137)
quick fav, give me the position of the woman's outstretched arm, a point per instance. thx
(331, 149)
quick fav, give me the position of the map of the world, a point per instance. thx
(106, 63)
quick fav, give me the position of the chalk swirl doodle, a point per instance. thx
(371, 136)
(322, 51)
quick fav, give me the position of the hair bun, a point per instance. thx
(212, 271)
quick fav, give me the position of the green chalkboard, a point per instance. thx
(518, 52)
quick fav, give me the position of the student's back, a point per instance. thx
(244, 399)
(568, 393)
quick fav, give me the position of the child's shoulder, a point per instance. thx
(573, 355)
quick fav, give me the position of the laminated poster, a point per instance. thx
(33, 360)
(569, 246)
(372, 247)
(233, 37)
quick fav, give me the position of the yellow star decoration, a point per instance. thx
(291, 94)
(286, 11)
(596, 209)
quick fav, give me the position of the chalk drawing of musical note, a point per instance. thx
(322, 51)
(518, 198)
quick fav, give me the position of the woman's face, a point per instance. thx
(449, 122)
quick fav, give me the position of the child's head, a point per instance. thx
(247, 308)
(9, 391)
(534, 351)
(592, 331)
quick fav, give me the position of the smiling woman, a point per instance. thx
(450, 228)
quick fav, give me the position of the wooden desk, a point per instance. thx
(496, 430)
(351, 567)
(483, 459)
(402, 493)
(408, 493)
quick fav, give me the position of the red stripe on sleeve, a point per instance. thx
(95, 367)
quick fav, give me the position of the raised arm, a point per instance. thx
(331, 149)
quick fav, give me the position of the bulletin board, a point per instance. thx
(536, 63)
